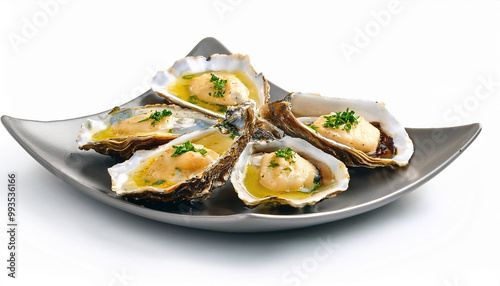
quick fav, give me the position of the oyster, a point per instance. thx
(189, 167)
(303, 115)
(123, 131)
(210, 85)
(287, 171)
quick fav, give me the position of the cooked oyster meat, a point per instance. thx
(172, 166)
(210, 85)
(360, 134)
(124, 130)
(287, 171)
(178, 163)
(139, 125)
(374, 139)
(189, 167)
(283, 173)
(214, 90)
(219, 88)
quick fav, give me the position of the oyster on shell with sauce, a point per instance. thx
(124, 130)
(189, 167)
(210, 85)
(288, 171)
(374, 139)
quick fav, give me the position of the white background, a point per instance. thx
(425, 60)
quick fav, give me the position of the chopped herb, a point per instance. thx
(195, 100)
(159, 182)
(222, 108)
(170, 130)
(286, 153)
(262, 176)
(315, 128)
(217, 94)
(186, 147)
(317, 184)
(273, 164)
(157, 116)
(177, 169)
(218, 83)
(288, 169)
(345, 118)
(188, 76)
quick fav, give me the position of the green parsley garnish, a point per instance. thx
(286, 153)
(317, 184)
(273, 164)
(186, 147)
(157, 116)
(219, 85)
(217, 94)
(288, 169)
(315, 128)
(195, 100)
(188, 76)
(345, 118)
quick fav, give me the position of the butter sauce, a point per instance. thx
(180, 88)
(255, 188)
(216, 141)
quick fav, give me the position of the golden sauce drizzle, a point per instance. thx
(215, 141)
(180, 88)
(255, 188)
(107, 133)
(141, 180)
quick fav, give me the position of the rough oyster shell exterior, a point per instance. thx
(201, 185)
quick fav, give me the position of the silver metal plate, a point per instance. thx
(223, 211)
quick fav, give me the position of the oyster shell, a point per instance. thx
(120, 132)
(138, 178)
(178, 85)
(331, 175)
(297, 111)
